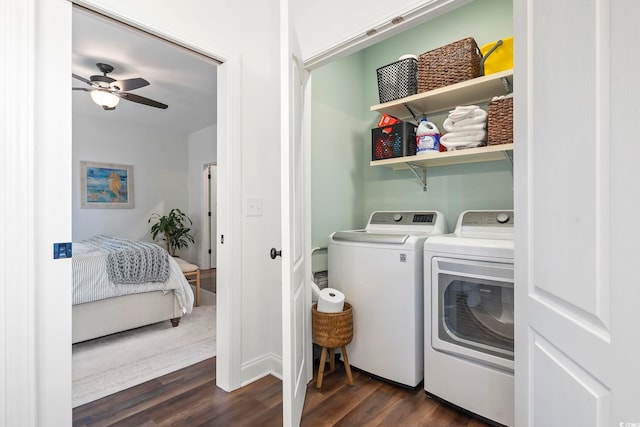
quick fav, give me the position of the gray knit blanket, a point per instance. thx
(132, 262)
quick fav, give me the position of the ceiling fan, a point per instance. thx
(106, 91)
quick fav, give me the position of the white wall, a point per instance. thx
(202, 150)
(159, 160)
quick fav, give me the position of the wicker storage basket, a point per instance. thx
(500, 122)
(450, 64)
(332, 330)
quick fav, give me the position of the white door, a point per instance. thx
(296, 310)
(576, 201)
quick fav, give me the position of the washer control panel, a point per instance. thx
(488, 219)
(403, 218)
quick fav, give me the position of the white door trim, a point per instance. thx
(229, 250)
(18, 399)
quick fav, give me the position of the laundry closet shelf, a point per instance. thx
(472, 91)
(456, 157)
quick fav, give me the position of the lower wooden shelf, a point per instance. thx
(456, 157)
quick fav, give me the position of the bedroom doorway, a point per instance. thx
(127, 130)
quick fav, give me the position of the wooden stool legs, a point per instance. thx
(194, 277)
(332, 364)
(347, 367)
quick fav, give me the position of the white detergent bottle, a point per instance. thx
(427, 137)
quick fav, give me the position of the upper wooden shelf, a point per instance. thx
(445, 98)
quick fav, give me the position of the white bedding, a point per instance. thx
(91, 283)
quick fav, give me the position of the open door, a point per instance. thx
(576, 251)
(296, 310)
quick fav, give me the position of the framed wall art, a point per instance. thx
(106, 185)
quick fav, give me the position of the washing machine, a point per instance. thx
(380, 271)
(469, 315)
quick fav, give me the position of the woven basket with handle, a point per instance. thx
(450, 64)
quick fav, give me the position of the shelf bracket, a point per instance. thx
(411, 112)
(420, 173)
(508, 87)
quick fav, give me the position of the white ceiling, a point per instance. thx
(184, 80)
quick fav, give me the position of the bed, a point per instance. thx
(121, 284)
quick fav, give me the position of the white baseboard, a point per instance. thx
(269, 364)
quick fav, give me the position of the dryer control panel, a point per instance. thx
(488, 219)
(403, 218)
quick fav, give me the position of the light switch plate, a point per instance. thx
(254, 206)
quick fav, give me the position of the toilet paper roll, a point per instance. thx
(330, 301)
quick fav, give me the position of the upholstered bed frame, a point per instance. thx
(103, 317)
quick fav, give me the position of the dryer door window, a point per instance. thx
(473, 309)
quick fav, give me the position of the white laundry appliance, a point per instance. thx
(380, 271)
(469, 315)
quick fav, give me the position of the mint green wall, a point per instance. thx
(345, 189)
(338, 130)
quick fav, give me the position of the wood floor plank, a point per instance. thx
(190, 398)
(369, 411)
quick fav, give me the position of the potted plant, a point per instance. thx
(175, 228)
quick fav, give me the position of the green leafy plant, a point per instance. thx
(175, 229)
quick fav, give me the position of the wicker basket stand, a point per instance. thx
(331, 331)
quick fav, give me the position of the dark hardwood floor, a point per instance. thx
(189, 397)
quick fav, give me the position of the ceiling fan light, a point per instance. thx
(104, 98)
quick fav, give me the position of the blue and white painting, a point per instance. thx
(106, 185)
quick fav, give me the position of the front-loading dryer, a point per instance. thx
(469, 315)
(380, 271)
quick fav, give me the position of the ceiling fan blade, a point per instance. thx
(129, 84)
(82, 88)
(82, 79)
(140, 99)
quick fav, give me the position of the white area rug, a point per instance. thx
(114, 363)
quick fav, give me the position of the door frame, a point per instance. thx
(18, 358)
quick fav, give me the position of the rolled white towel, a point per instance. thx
(459, 145)
(477, 116)
(474, 116)
(464, 125)
(472, 135)
(463, 112)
